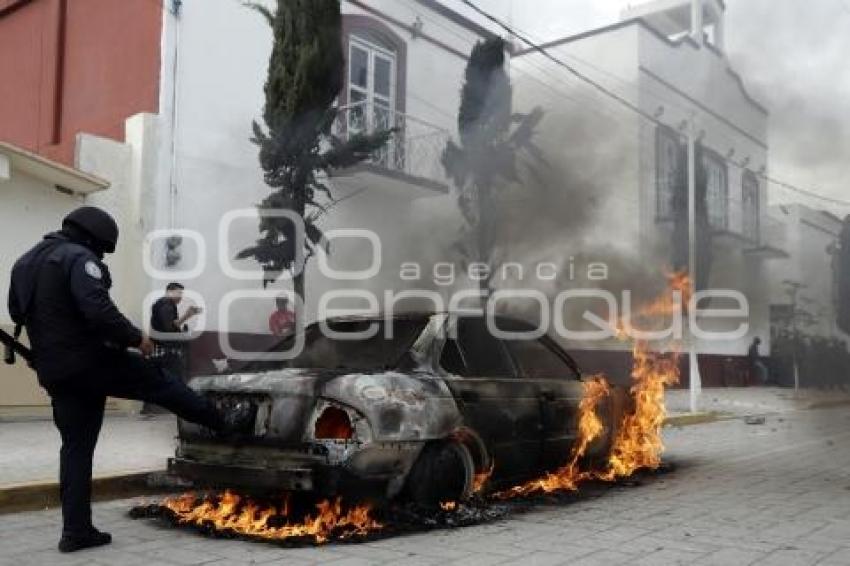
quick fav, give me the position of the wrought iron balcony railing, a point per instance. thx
(415, 148)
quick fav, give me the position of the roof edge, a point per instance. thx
(457, 18)
(673, 43)
(53, 172)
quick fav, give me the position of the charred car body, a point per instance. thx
(422, 406)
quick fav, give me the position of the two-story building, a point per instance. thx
(158, 98)
(659, 75)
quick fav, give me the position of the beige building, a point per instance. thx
(35, 194)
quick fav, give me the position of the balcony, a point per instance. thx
(758, 235)
(772, 241)
(413, 155)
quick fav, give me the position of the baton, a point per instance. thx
(13, 347)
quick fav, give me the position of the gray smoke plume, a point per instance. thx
(793, 57)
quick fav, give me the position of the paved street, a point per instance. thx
(777, 493)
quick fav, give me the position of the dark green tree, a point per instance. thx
(491, 138)
(297, 147)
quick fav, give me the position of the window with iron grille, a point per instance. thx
(750, 204)
(717, 190)
(668, 157)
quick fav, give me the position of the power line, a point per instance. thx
(628, 104)
(578, 74)
(584, 104)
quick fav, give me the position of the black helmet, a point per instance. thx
(96, 223)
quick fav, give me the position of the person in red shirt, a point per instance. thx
(282, 320)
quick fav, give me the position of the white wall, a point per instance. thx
(704, 89)
(29, 209)
(603, 141)
(222, 56)
(811, 233)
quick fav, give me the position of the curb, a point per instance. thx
(45, 495)
(828, 404)
(692, 419)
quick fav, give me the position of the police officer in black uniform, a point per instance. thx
(79, 338)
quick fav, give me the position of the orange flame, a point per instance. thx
(231, 512)
(589, 428)
(480, 478)
(637, 444)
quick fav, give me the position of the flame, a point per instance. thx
(480, 478)
(232, 512)
(588, 429)
(637, 444)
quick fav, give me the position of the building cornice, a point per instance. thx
(685, 40)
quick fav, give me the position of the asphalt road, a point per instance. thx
(777, 493)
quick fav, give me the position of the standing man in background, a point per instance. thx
(164, 316)
(758, 371)
(170, 353)
(167, 322)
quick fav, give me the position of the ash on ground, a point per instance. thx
(397, 519)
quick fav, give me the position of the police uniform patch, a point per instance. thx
(93, 270)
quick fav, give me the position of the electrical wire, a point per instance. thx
(631, 106)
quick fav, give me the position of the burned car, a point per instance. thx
(420, 405)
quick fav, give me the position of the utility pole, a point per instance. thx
(793, 288)
(694, 381)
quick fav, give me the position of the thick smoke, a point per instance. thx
(793, 57)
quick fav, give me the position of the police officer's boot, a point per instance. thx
(73, 543)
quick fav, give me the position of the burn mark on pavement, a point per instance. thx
(390, 519)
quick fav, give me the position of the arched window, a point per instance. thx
(375, 80)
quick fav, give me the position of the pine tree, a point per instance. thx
(491, 137)
(297, 149)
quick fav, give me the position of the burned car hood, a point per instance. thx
(398, 406)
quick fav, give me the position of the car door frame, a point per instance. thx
(559, 402)
(503, 411)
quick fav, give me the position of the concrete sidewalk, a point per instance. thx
(30, 449)
(745, 401)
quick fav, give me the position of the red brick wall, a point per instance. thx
(69, 66)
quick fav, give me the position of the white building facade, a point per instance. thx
(666, 65)
(806, 281)
(192, 177)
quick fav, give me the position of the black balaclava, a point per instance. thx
(83, 238)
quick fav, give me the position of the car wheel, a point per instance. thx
(443, 472)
